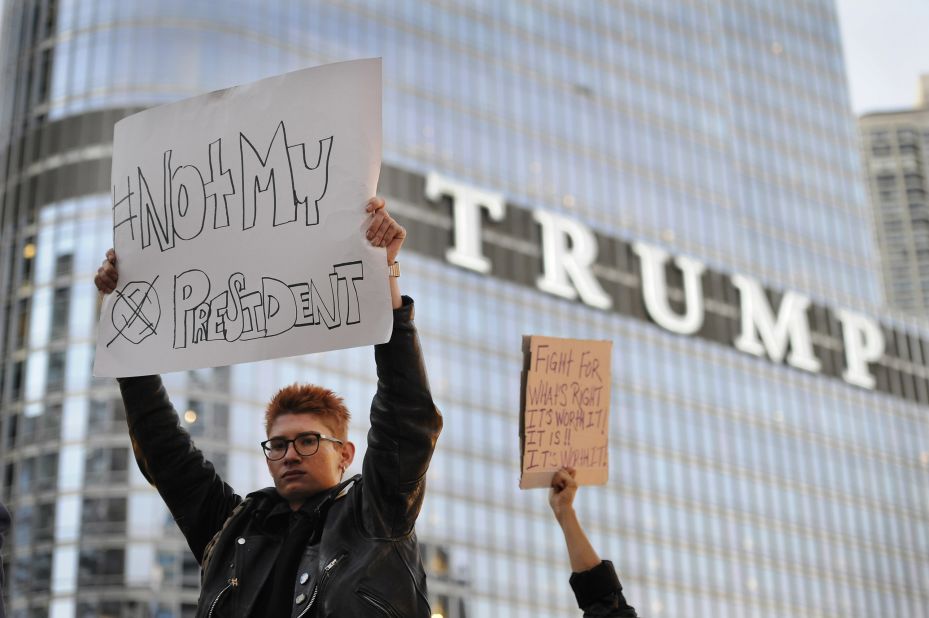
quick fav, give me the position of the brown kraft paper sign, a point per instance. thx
(564, 410)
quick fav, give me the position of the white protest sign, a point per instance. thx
(238, 223)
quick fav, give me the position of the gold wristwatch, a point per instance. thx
(393, 269)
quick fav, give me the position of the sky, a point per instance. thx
(886, 44)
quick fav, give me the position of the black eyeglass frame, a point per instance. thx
(266, 444)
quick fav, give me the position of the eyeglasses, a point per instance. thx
(305, 444)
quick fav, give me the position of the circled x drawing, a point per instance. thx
(136, 312)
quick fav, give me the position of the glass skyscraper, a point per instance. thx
(783, 472)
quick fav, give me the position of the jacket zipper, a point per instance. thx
(233, 582)
(327, 570)
(377, 603)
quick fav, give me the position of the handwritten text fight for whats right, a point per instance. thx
(567, 402)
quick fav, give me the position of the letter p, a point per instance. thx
(864, 343)
(191, 289)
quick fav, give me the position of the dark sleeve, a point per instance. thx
(197, 497)
(405, 425)
(599, 592)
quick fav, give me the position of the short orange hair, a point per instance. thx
(310, 399)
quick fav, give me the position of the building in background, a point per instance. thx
(895, 147)
(769, 433)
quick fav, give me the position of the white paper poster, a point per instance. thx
(238, 222)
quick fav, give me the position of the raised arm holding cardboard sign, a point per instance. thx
(595, 583)
(564, 442)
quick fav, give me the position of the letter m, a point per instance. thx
(261, 175)
(790, 326)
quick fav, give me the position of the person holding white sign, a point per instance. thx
(314, 544)
(594, 581)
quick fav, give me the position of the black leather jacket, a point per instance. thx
(363, 559)
(600, 594)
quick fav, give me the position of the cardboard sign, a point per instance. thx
(564, 410)
(238, 222)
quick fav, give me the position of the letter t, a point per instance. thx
(466, 205)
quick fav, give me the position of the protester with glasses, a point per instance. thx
(315, 544)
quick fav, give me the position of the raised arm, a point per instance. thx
(405, 423)
(582, 554)
(594, 581)
(197, 497)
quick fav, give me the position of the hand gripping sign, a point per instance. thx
(564, 410)
(238, 223)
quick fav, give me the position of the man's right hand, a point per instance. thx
(561, 495)
(107, 275)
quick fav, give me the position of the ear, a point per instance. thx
(348, 455)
